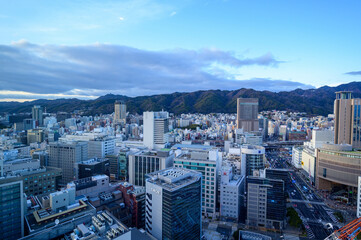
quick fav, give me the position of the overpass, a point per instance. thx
(279, 144)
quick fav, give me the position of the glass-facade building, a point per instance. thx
(123, 165)
(356, 127)
(173, 204)
(266, 202)
(11, 210)
(254, 162)
(209, 180)
(181, 212)
(253, 158)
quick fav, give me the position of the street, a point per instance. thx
(311, 208)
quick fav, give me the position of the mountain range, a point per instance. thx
(312, 101)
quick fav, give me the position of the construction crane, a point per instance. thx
(347, 232)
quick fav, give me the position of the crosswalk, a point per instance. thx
(310, 234)
(330, 213)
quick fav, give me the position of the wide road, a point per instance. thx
(311, 209)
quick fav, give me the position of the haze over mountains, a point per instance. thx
(312, 101)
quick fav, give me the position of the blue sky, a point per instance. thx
(52, 49)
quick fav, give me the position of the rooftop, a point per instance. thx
(105, 226)
(151, 153)
(94, 161)
(174, 178)
(193, 146)
(45, 218)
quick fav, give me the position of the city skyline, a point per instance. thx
(187, 176)
(88, 49)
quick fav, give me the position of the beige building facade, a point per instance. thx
(338, 166)
(347, 119)
(247, 114)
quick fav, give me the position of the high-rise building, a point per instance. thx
(253, 158)
(37, 114)
(155, 129)
(347, 119)
(144, 162)
(12, 210)
(247, 114)
(266, 203)
(101, 147)
(207, 160)
(173, 204)
(120, 112)
(66, 156)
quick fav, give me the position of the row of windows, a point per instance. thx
(341, 154)
(44, 175)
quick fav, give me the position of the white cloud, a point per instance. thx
(48, 71)
(173, 13)
(121, 18)
(6, 94)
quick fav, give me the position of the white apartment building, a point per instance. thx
(155, 129)
(101, 147)
(230, 191)
(99, 144)
(297, 156)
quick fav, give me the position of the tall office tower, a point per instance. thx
(120, 112)
(247, 114)
(144, 162)
(37, 114)
(155, 129)
(347, 119)
(207, 160)
(266, 203)
(66, 156)
(252, 158)
(173, 204)
(12, 210)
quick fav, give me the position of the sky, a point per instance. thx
(86, 49)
